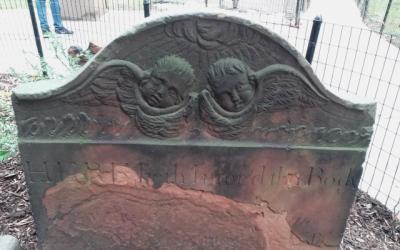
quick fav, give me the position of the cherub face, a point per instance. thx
(209, 30)
(234, 92)
(159, 91)
(168, 83)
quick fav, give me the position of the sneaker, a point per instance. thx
(63, 30)
(46, 33)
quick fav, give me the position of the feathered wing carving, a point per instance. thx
(163, 125)
(101, 88)
(116, 83)
(221, 123)
(278, 87)
(281, 87)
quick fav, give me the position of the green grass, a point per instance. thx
(8, 129)
(376, 12)
(14, 4)
(393, 21)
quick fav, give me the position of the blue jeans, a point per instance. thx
(55, 12)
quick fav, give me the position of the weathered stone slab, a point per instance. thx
(9, 242)
(200, 131)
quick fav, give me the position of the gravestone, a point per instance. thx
(197, 131)
(82, 9)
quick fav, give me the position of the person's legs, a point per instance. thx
(41, 9)
(56, 12)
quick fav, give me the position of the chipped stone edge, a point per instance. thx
(51, 88)
(9, 242)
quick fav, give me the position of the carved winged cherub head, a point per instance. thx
(168, 83)
(232, 83)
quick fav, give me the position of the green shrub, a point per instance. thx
(8, 130)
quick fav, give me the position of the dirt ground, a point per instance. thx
(370, 225)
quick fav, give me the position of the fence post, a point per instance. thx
(298, 8)
(312, 43)
(365, 9)
(37, 36)
(235, 4)
(386, 15)
(146, 7)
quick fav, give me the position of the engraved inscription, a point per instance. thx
(278, 176)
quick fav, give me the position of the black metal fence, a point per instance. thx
(359, 63)
(291, 9)
(352, 61)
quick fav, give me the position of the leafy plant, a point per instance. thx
(43, 70)
(8, 130)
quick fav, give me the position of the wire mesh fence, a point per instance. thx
(288, 7)
(351, 61)
(357, 62)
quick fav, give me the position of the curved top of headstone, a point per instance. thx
(208, 74)
(187, 26)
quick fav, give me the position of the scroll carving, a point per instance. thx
(323, 135)
(67, 125)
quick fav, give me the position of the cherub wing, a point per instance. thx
(116, 83)
(163, 124)
(281, 87)
(109, 79)
(221, 123)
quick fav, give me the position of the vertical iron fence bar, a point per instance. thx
(319, 52)
(337, 54)
(365, 9)
(354, 61)
(37, 36)
(146, 7)
(312, 43)
(397, 130)
(345, 58)
(305, 38)
(386, 15)
(297, 20)
(363, 64)
(235, 4)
